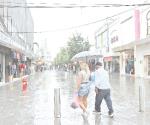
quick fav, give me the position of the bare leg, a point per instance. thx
(85, 101)
(82, 104)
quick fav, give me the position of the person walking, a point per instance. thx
(10, 72)
(102, 89)
(14, 70)
(83, 86)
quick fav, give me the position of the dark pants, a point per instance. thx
(103, 93)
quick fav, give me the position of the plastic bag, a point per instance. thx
(75, 102)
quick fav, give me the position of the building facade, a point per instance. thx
(129, 42)
(105, 36)
(16, 36)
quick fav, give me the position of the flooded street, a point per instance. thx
(36, 106)
(44, 43)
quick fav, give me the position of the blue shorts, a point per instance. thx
(84, 89)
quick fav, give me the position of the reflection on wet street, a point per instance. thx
(36, 106)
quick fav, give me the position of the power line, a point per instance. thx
(58, 5)
(83, 25)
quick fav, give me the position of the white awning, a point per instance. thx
(124, 47)
(131, 45)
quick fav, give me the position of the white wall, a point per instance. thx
(126, 29)
(141, 51)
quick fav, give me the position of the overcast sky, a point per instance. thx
(52, 20)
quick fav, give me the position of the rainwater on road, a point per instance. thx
(36, 105)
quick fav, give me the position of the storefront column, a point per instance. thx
(135, 61)
(3, 68)
(122, 63)
(139, 63)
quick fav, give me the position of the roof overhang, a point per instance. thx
(124, 47)
(143, 41)
(111, 54)
(131, 45)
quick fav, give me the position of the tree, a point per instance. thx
(62, 57)
(77, 44)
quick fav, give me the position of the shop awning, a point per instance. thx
(108, 59)
(143, 41)
(124, 47)
(109, 56)
(131, 45)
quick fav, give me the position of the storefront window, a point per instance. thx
(115, 64)
(129, 68)
(111, 64)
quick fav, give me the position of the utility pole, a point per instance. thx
(107, 24)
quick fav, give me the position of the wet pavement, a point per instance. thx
(36, 105)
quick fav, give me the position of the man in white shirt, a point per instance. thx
(102, 89)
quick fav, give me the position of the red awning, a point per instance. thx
(108, 59)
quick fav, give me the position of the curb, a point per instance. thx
(14, 81)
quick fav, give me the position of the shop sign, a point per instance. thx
(114, 39)
(114, 35)
(108, 59)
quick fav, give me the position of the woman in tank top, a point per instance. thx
(83, 86)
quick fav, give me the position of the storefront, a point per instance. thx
(111, 64)
(129, 62)
(115, 64)
(108, 63)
